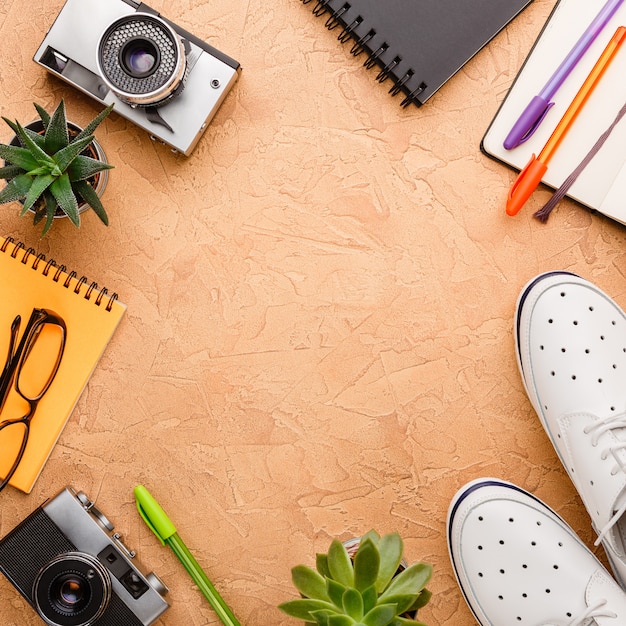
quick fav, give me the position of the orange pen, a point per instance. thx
(533, 173)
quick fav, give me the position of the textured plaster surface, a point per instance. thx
(320, 305)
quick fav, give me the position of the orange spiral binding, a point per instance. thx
(82, 285)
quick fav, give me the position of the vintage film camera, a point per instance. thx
(74, 571)
(158, 75)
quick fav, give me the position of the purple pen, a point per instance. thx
(535, 112)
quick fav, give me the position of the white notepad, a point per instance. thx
(602, 185)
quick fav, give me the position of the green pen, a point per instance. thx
(160, 524)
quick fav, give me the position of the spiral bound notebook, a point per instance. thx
(417, 44)
(28, 281)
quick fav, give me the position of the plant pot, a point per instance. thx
(93, 150)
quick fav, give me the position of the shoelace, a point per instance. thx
(596, 431)
(595, 610)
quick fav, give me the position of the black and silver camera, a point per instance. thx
(158, 75)
(65, 559)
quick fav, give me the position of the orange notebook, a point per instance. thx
(91, 314)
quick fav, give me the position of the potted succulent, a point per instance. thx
(54, 167)
(365, 582)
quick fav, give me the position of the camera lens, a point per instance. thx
(72, 590)
(142, 60)
(140, 57)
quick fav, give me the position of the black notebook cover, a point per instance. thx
(418, 44)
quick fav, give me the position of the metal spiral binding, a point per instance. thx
(358, 47)
(59, 270)
(373, 57)
(397, 88)
(383, 75)
(333, 21)
(320, 8)
(347, 31)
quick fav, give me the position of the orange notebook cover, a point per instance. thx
(91, 314)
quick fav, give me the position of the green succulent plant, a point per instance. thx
(47, 171)
(368, 589)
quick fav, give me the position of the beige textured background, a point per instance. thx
(320, 302)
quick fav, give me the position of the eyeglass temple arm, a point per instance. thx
(11, 363)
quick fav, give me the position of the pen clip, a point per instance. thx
(528, 122)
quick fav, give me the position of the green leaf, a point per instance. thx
(49, 212)
(66, 155)
(36, 137)
(61, 189)
(57, 136)
(19, 156)
(353, 603)
(321, 617)
(340, 620)
(403, 602)
(410, 581)
(43, 114)
(422, 600)
(88, 194)
(40, 184)
(83, 167)
(91, 127)
(381, 615)
(339, 564)
(370, 598)
(366, 565)
(12, 125)
(309, 583)
(321, 564)
(10, 171)
(372, 535)
(16, 188)
(303, 608)
(40, 155)
(390, 548)
(335, 591)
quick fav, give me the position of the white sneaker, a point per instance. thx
(518, 562)
(571, 349)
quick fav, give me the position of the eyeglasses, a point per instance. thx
(31, 368)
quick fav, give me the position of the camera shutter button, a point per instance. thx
(89, 506)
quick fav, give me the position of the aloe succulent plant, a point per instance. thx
(371, 588)
(48, 171)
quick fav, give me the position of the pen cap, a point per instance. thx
(524, 185)
(153, 515)
(528, 122)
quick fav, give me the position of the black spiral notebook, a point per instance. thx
(417, 44)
